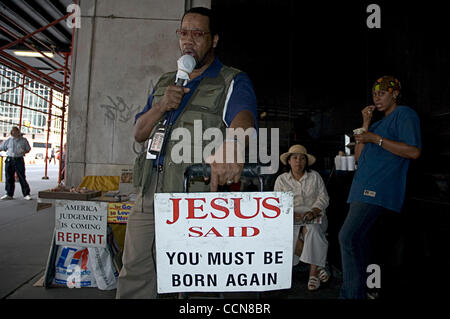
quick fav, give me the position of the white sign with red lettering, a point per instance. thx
(209, 242)
(81, 223)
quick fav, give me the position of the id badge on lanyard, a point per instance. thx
(156, 141)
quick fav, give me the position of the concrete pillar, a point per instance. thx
(120, 50)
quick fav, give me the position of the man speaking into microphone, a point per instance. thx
(222, 97)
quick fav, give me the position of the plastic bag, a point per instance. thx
(72, 268)
(101, 263)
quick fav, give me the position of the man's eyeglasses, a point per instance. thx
(196, 34)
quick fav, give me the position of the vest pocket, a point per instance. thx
(207, 97)
(138, 169)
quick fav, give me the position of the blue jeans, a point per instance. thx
(354, 242)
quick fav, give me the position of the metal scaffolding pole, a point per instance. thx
(49, 123)
(61, 147)
(21, 101)
(30, 73)
(26, 89)
(32, 34)
(21, 67)
(44, 56)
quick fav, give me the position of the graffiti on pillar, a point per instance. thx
(118, 110)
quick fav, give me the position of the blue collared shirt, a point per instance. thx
(242, 97)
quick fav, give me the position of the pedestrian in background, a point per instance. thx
(52, 157)
(15, 147)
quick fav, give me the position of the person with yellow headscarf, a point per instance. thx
(383, 151)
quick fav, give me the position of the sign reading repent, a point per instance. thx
(223, 241)
(80, 223)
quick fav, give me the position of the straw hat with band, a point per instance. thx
(297, 149)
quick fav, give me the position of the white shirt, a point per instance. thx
(309, 191)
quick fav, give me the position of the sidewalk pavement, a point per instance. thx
(25, 239)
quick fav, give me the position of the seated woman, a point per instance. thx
(310, 201)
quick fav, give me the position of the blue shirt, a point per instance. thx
(242, 97)
(381, 176)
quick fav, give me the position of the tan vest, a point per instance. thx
(206, 104)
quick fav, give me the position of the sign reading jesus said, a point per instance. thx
(223, 241)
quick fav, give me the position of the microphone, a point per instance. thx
(157, 143)
(186, 65)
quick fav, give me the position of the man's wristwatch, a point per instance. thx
(380, 141)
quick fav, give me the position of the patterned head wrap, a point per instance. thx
(386, 83)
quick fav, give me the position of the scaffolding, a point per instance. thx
(30, 74)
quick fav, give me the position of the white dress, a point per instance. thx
(309, 192)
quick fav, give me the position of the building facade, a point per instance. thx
(26, 104)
